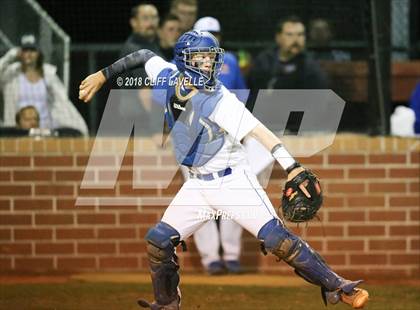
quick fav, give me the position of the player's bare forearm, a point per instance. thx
(94, 82)
(265, 136)
(271, 142)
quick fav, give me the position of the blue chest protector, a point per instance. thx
(196, 139)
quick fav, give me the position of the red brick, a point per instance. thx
(54, 190)
(404, 173)
(335, 188)
(53, 219)
(366, 173)
(15, 190)
(315, 231)
(313, 160)
(332, 202)
(5, 204)
(387, 159)
(34, 264)
(367, 230)
(415, 215)
(406, 230)
(128, 190)
(345, 245)
(5, 176)
(172, 189)
(96, 161)
(388, 216)
(66, 204)
(75, 263)
(70, 175)
(168, 161)
(33, 234)
(118, 262)
(117, 207)
(5, 234)
(120, 233)
(415, 157)
(335, 259)
(15, 161)
(74, 233)
(405, 259)
(15, 219)
(54, 248)
(415, 244)
(157, 175)
(138, 218)
(414, 187)
(346, 159)
(96, 248)
(5, 264)
(367, 259)
(330, 173)
(15, 248)
(33, 204)
(133, 247)
(32, 175)
(404, 201)
(96, 218)
(111, 191)
(53, 161)
(387, 187)
(387, 244)
(346, 216)
(366, 201)
(111, 175)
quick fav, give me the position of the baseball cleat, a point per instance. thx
(174, 305)
(154, 306)
(357, 299)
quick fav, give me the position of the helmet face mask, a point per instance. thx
(206, 62)
(199, 57)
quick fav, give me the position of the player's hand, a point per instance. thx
(303, 185)
(91, 85)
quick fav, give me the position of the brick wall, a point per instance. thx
(370, 220)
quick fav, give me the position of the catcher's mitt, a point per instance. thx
(296, 206)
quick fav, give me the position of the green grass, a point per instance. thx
(110, 296)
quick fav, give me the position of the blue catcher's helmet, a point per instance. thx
(188, 49)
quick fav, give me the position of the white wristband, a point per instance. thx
(282, 156)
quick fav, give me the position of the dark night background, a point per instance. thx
(246, 24)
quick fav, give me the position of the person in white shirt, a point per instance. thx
(26, 80)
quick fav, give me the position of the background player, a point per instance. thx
(220, 175)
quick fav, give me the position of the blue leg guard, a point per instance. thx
(307, 263)
(162, 240)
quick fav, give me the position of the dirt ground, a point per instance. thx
(119, 291)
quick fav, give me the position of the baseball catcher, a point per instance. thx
(207, 124)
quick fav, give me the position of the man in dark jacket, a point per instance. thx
(286, 66)
(144, 21)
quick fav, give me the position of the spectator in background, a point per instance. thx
(137, 104)
(320, 39)
(169, 32)
(286, 66)
(144, 21)
(230, 75)
(186, 10)
(27, 118)
(227, 229)
(26, 80)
